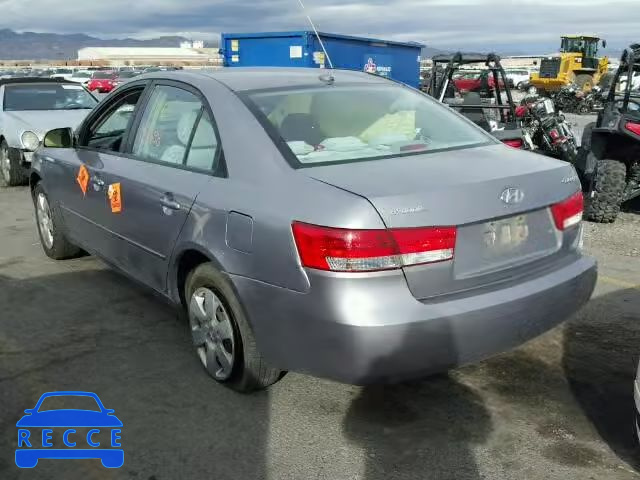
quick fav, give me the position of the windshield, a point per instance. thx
(589, 48)
(351, 123)
(47, 97)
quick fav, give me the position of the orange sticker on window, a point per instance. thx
(83, 179)
(115, 198)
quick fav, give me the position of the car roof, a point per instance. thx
(258, 78)
(22, 80)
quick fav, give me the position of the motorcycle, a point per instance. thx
(571, 99)
(593, 101)
(547, 128)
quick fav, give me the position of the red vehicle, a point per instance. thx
(475, 81)
(103, 81)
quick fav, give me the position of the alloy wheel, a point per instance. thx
(45, 223)
(212, 333)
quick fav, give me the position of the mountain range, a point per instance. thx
(53, 46)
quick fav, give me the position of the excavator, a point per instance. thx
(577, 63)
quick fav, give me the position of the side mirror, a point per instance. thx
(58, 138)
(604, 44)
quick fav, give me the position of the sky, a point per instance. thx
(526, 26)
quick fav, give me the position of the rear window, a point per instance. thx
(340, 124)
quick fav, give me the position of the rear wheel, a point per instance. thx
(222, 335)
(11, 172)
(54, 242)
(584, 82)
(603, 203)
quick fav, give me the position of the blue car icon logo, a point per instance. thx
(69, 433)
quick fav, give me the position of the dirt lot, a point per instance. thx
(559, 407)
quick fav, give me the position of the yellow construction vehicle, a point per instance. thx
(578, 62)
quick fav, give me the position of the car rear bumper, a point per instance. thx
(371, 329)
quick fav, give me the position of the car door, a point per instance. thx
(171, 156)
(101, 136)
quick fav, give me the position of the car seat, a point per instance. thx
(203, 145)
(301, 127)
(175, 153)
(476, 115)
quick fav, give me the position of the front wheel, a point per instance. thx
(11, 172)
(222, 335)
(604, 201)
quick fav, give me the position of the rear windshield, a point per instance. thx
(47, 97)
(334, 124)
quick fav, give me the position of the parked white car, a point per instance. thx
(64, 73)
(519, 77)
(29, 108)
(81, 76)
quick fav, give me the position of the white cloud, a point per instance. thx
(444, 23)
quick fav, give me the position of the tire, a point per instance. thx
(54, 242)
(603, 204)
(11, 172)
(584, 108)
(586, 135)
(248, 371)
(520, 86)
(584, 82)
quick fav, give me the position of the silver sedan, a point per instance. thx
(333, 223)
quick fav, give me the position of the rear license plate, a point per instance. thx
(506, 234)
(498, 244)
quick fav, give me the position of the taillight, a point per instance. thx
(633, 127)
(521, 111)
(350, 250)
(553, 133)
(568, 213)
(515, 143)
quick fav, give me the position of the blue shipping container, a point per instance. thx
(396, 60)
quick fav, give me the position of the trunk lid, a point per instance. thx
(497, 196)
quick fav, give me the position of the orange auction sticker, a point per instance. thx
(115, 198)
(83, 179)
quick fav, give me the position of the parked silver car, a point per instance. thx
(29, 107)
(338, 224)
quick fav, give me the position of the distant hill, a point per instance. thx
(53, 46)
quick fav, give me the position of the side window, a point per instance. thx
(176, 129)
(202, 152)
(107, 133)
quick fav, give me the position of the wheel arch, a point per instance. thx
(185, 259)
(34, 179)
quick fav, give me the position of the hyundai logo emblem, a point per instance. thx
(511, 196)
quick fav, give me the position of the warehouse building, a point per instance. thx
(118, 56)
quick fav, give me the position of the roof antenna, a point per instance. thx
(317, 36)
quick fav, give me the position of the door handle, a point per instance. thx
(169, 203)
(98, 184)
